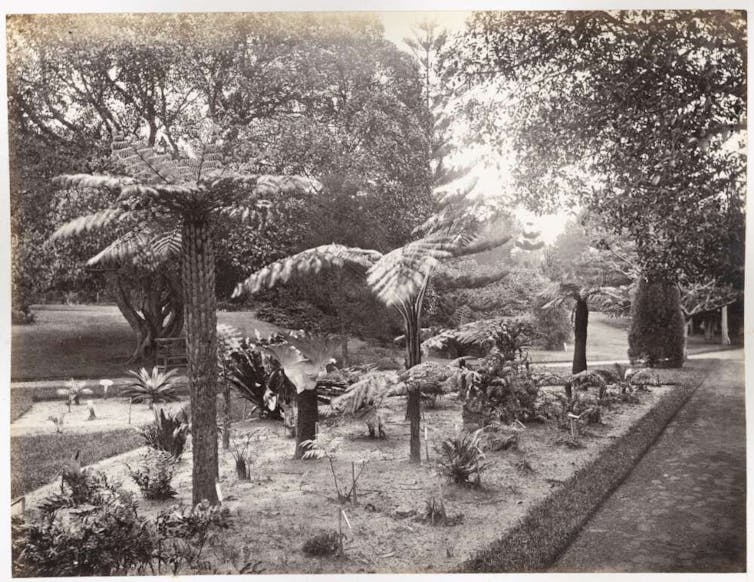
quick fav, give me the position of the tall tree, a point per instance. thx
(639, 115)
(194, 193)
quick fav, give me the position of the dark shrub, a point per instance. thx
(154, 474)
(168, 432)
(657, 329)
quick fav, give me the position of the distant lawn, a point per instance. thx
(87, 341)
(39, 459)
(607, 339)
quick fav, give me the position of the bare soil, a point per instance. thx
(287, 501)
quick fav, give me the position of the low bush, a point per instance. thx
(324, 543)
(154, 473)
(461, 457)
(91, 528)
(168, 432)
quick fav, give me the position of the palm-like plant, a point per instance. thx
(562, 293)
(152, 387)
(188, 194)
(399, 278)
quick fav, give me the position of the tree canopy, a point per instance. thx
(638, 115)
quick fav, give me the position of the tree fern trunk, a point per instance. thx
(306, 420)
(201, 339)
(413, 405)
(580, 325)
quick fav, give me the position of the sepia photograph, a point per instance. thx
(375, 292)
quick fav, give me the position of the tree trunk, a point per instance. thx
(724, 336)
(226, 416)
(161, 315)
(414, 415)
(580, 325)
(413, 358)
(306, 421)
(198, 269)
(708, 329)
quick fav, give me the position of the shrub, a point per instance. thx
(552, 327)
(324, 543)
(657, 335)
(168, 433)
(461, 457)
(246, 373)
(154, 387)
(91, 528)
(154, 474)
(185, 532)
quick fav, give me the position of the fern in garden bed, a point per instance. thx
(168, 432)
(461, 457)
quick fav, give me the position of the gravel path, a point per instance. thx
(683, 507)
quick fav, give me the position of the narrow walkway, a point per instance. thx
(683, 507)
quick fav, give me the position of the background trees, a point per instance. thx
(639, 115)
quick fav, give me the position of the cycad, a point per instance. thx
(187, 194)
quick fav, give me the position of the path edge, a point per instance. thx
(537, 540)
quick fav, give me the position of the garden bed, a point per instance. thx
(287, 502)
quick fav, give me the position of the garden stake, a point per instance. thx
(340, 531)
(130, 403)
(353, 481)
(426, 443)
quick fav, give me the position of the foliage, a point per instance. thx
(324, 543)
(552, 327)
(154, 473)
(241, 454)
(638, 114)
(461, 457)
(511, 338)
(154, 387)
(74, 390)
(77, 487)
(657, 335)
(246, 372)
(168, 432)
(186, 532)
(105, 539)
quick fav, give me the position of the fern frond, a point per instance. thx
(262, 185)
(143, 163)
(305, 263)
(370, 390)
(402, 273)
(92, 221)
(140, 247)
(91, 181)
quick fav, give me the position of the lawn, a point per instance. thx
(87, 341)
(40, 458)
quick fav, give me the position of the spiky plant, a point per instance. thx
(152, 387)
(190, 194)
(461, 457)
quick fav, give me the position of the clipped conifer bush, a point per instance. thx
(657, 336)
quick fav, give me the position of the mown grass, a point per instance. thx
(88, 341)
(39, 459)
(539, 538)
(21, 401)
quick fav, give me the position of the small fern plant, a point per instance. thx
(461, 458)
(152, 387)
